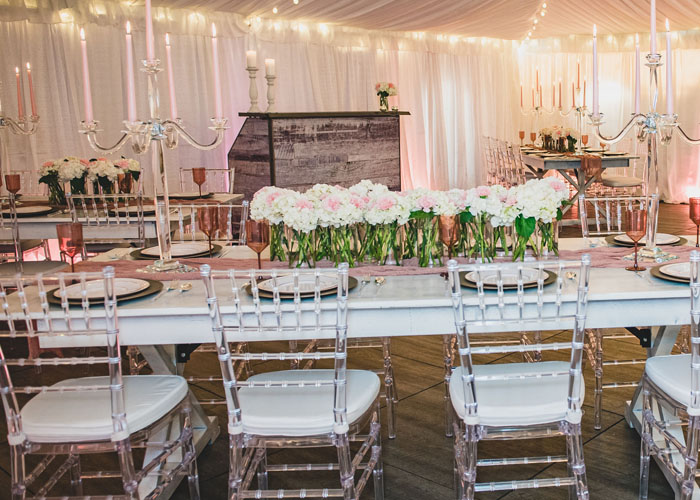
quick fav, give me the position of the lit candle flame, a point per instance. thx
(668, 26)
(636, 38)
(17, 70)
(167, 39)
(82, 34)
(595, 31)
(213, 30)
(29, 66)
(128, 28)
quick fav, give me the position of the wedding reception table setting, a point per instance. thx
(351, 250)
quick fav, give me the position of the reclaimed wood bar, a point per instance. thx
(298, 150)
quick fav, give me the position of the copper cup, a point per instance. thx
(636, 228)
(257, 234)
(533, 137)
(694, 213)
(12, 183)
(199, 176)
(448, 229)
(208, 222)
(70, 240)
(125, 182)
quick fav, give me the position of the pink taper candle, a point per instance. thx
(537, 78)
(573, 94)
(150, 43)
(533, 97)
(583, 104)
(595, 72)
(540, 96)
(653, 27)
(669, 71)
(218, 106)
(31, 90)
(521, 94)
(637, 76)
(560, 93)
(130, 83)
(20, 104)
(578, 73)
(87, 96)
(171, 78)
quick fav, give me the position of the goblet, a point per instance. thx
(12, 183)
(533, 137)
(636, 228)
(199, 176)
(208, 222)
(125, 182)
(521, 134)
(70, 240)
(584, 139)
(448, 230)
(257, 233)
(694, 209)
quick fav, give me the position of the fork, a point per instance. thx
(171, 286)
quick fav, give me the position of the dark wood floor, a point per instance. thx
(418, 463)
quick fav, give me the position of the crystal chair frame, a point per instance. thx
(635, 182)
(664, 417)
(186, 216)
(490, 160)
(11, 224)
(248, 452)
(608, 221)
(109, 211)
(224, 173)
(27, 313)
(562, 307)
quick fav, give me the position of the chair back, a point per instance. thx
(117, 211)
(231, 228)
(694, 406)
(9, 227)
(217, 180)
(555, 306)
(609, 213)
(240, 311)
(41, 308)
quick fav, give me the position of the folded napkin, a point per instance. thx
(592, 166)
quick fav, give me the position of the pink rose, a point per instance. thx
(332, 203)
(47, 164)
(426, 202)
(84, 162)
(386, 203)
(358, 202)
(511, 200)
(270, 199)
(102, 159)
(122, 164)
(391, 85)
(376, 87)
(483, 191)
(303, 204)
(557, 185)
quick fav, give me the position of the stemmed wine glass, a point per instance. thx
(521, 134)
(448, 230)
(70, 240)
(208, 222)
(257, 233)
(694, 209)
(533, 137)
(636, 228)
(12, 183)
(584, 139)
(199, 176)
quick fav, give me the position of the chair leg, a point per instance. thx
(76, 481)
(691, 462)
(468, 459)
(448, 349)
(19, 486)
(235, 465)
(645, 441)
(126, 464)
(538, 340)
(578, 466)
(262, 472)
(378, 472)
(598, 402)
(347, 472)
(389, 387)
(47, 250)
(190, 453)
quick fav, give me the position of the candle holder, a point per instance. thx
(270, 93)
(152, 134)
(653, 128)
(253, 90)
(20, 126)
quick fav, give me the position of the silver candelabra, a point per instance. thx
(21, 126)
(153, 134)
(653, 128)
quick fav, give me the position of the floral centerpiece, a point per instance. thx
(131, 166)
(56, 173)
(103, 174)
(560, 139)
(384, 91)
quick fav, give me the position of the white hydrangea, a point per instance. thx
(541, 198)
(270, 203)
(301, 214)
(387, 208)
(102, 167)
(129, 165)
(338, 208)
(70, 169)
(366, 188)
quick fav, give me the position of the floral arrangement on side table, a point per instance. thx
(369, 223)
(384, 91)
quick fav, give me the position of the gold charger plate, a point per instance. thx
(352, 283)
(551, 278)
(154, 287)
(137, 255)
(610, 239)
(656, 273)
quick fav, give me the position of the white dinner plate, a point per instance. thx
(95, 288)
(190, 195)
(179, 249)
(35, 209)
(509, 278)
(594, 150)
(551, 155)
(661, 239)
(677, 270)
(285, 284)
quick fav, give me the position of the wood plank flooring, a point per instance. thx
(418, 463)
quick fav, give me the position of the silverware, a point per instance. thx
(379, 280)
(186, 287)
(570, 275)
(364, 280)
(171, 286)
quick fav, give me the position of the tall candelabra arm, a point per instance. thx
(597, 121)
(567, 112)
(173, 128)
(20, 127)
(90, 130)
(686, 138)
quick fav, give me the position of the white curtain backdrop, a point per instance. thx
(456, 90)
(679, 172)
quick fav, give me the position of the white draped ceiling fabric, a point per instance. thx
(457, 65)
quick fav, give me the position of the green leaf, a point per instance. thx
(420, 214)
(525, 226)
(560, 215)
(465, 217)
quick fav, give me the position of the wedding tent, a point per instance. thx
(458, 67)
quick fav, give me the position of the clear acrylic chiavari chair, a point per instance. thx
(104, 412)
(232, 217)
(489, 154)
(293, 408)
(607, 220)
(10, 242)
(120, 217)
(519, 400)
(671, 403)
(216, 180)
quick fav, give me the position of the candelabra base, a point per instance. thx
(169, 266)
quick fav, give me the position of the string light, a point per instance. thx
(542, 11)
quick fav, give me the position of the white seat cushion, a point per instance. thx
(516, 401)
(671, 374)
(620, 181)
(303, 411)
(77, 416)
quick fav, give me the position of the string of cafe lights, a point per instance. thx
(541, 12)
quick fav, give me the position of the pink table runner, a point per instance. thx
(602, 257)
